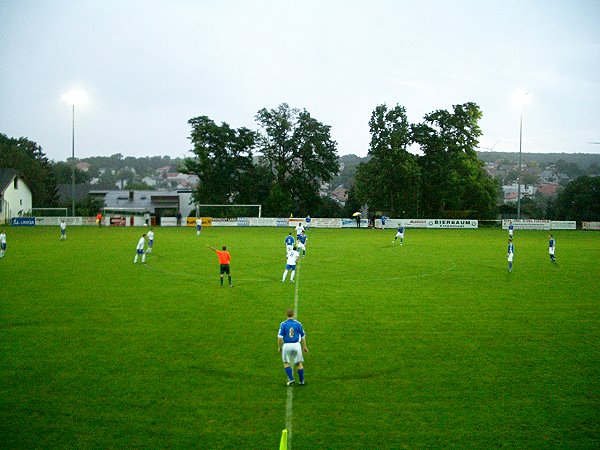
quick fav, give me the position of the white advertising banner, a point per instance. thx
(527, 224)
(564, 225)
(327, 223)
(55, 221)
(452, 223)
(168, 221)
(590, 225)
(263, 222)
(351, 223)
(414, 223)
(225, 222)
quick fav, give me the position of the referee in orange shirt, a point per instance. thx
(224, 261)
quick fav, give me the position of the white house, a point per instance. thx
(15, 195)
(511, 192)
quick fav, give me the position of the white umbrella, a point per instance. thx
(356, 214)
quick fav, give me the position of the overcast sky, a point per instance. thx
(149, 66)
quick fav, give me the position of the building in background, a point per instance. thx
(15, 196)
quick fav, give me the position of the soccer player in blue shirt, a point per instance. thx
(383, 219)
(399, 234)
(302, 243)
(510, 253)
(307, 220)
(511, 228)
(291, 341)
(551, 248)
(289, 242)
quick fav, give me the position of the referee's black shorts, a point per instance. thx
(224, 269)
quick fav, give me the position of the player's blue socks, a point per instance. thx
(290, 373)
(301, 375)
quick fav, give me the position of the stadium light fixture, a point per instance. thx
(74, 97)
(520, 98)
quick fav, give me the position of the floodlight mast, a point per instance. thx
(522, 101)
(73, 161)
(75, 97)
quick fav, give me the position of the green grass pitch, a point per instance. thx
(427, 345)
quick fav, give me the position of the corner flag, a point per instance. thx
(283, 443)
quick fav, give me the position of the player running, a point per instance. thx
(289, 242)
(292, 259)
(63, 229)
(399, 234)
(302, 243)
(291, 341)
(299, 229)
(198, 226)
(552, 248)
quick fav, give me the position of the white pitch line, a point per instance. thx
(290, 392)
(288, 415)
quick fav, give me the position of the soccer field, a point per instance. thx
(430, 344)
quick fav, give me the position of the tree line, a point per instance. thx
(296, 152)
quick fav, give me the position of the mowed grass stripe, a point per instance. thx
(431, 344)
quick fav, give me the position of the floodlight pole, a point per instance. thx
(520, 151)
(520, 170)
(73, 160)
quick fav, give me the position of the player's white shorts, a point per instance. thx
(551, 250)
(289, 248)
(292, 353)
(301, 246)
(510, 257)
(400, 235)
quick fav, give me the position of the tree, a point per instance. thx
(593, 169)
(30, 162)
(453, 181)
(222, 162)
(580, 200)
(299, 152)
(389, 181)
(63, 173)
(86, 208)
(124, 177)
(571, 169)
(529, 178)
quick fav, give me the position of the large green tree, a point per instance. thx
(453, 181)
(389, 181)
(63, 173)
(28, 159)
(580, 200)
(222, 162)
(300, 153)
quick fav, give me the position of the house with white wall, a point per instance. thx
(15, 195)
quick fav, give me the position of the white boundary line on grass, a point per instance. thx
(290, 392)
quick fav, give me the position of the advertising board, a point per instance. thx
(452, 223)
(22, 222)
